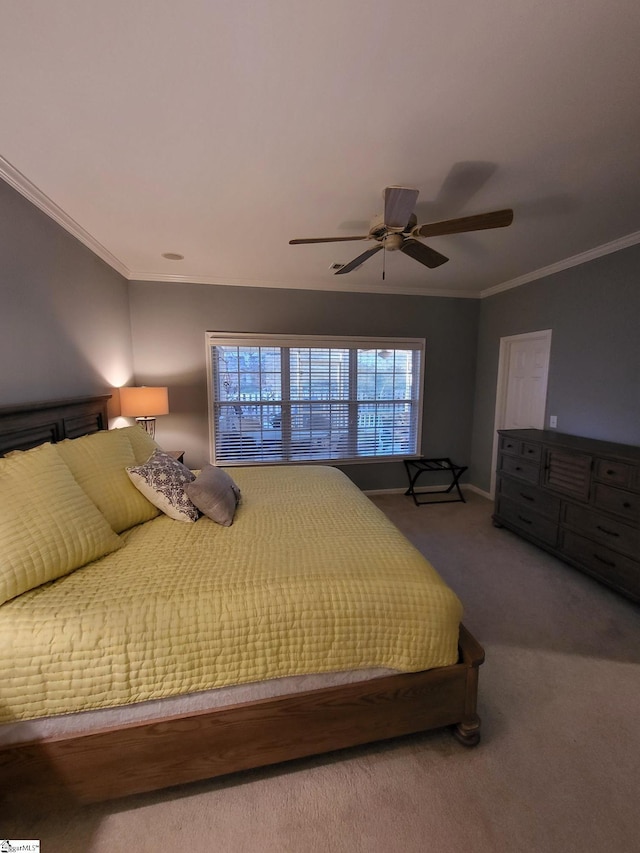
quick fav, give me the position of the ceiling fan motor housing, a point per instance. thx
(392, 238)
(392, 242)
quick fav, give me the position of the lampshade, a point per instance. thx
(144, 402)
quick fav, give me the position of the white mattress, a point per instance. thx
(84, 722)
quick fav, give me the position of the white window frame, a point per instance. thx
(213, 339)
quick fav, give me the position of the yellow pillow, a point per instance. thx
(142, 443)
(48, 525)
(99, 462)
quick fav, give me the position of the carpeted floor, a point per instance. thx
(556, 772)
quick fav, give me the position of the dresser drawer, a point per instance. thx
(525, 449)
(613, 473)
(603, 529)
(520, 468)
(527, 521)
(603, 562)
(617, 501)
(533, 452)
(530, 496)
(510, 445)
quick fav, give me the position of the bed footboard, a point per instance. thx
(149, 756)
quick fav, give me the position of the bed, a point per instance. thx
(147, 735)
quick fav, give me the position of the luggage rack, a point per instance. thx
(417, 467)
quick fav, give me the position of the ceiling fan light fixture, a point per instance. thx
(392, 242)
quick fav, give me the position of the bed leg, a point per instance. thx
(468, 732)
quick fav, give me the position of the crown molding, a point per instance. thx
(327, 285)
(23, 185)
(574, 261)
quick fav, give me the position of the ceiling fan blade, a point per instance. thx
(398, 206)
(327, 239)
(359, 260)
(495, 219)
(426, 255)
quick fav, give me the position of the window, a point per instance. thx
(302, 399)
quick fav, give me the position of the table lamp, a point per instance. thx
(143, 404)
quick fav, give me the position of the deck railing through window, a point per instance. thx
(308, 399)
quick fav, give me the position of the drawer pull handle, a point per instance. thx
(527, 497)
(530, 450)
(626, 505)
(608, 532)
(610, 473)
(609, 563)
(526, 520)
(518, 468)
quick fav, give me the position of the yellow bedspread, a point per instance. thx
(311, 577)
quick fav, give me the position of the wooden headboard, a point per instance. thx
(26, 425)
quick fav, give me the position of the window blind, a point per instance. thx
(306, 399)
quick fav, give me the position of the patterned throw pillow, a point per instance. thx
(162, 480)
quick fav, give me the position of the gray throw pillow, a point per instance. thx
(215, 494)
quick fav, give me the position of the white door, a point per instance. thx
(526, 392)
(521, 396)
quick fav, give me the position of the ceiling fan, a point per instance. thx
(397, 229)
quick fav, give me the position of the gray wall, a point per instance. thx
(64, 313)
(67, 321)
(593, 311)
(169, 322)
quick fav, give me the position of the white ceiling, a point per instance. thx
(220, 129)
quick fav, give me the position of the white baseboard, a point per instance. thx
(384, 491)
(464, 486)
(478, 491)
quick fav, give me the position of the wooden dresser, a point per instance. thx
(577, 498)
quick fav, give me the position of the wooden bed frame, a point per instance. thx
(148, 756)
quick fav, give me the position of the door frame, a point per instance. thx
(503, 384)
